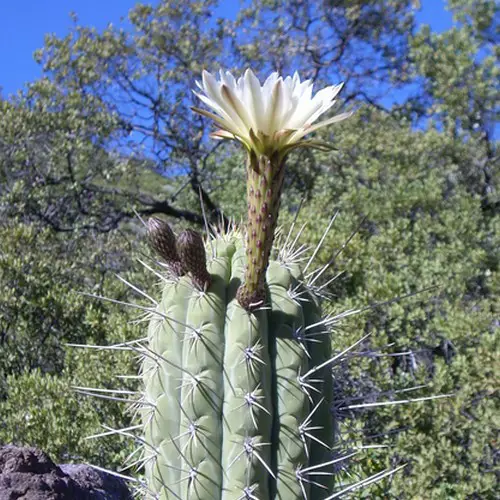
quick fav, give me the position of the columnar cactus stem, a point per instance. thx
(237, 401)
(247, 408)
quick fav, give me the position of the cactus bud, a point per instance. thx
(191, 251)
(162, 240)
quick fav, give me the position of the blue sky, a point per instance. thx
(23, 24)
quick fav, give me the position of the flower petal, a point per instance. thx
(307, 130)
(222, 134)
(333, 119)
(303, 113)
(234, 101)
(210, 86)
(255, 102)
(268, 87)
(225, 124)
(324, 108)
(274, 110)
(220, 111)
(213, 92)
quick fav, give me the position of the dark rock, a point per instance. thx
(103, 486)
(29, 474)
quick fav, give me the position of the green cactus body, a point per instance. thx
(231, 408)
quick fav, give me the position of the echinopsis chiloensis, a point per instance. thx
(237, 386)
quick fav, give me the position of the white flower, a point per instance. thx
(268, 118)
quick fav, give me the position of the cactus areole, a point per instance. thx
(236, 370)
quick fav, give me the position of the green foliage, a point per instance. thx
(42, 303)
(42, 309)
(44, 410)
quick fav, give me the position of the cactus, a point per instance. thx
(236, 366)
(237, 386)
(236, 400)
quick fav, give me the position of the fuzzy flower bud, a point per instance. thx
(162, 240)
(193, 257)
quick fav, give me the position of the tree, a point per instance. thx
(119, 100)
(458, 72)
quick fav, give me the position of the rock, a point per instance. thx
(29, 474)
(103, 486)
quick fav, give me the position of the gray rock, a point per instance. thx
(29, 474)
(103, 486)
